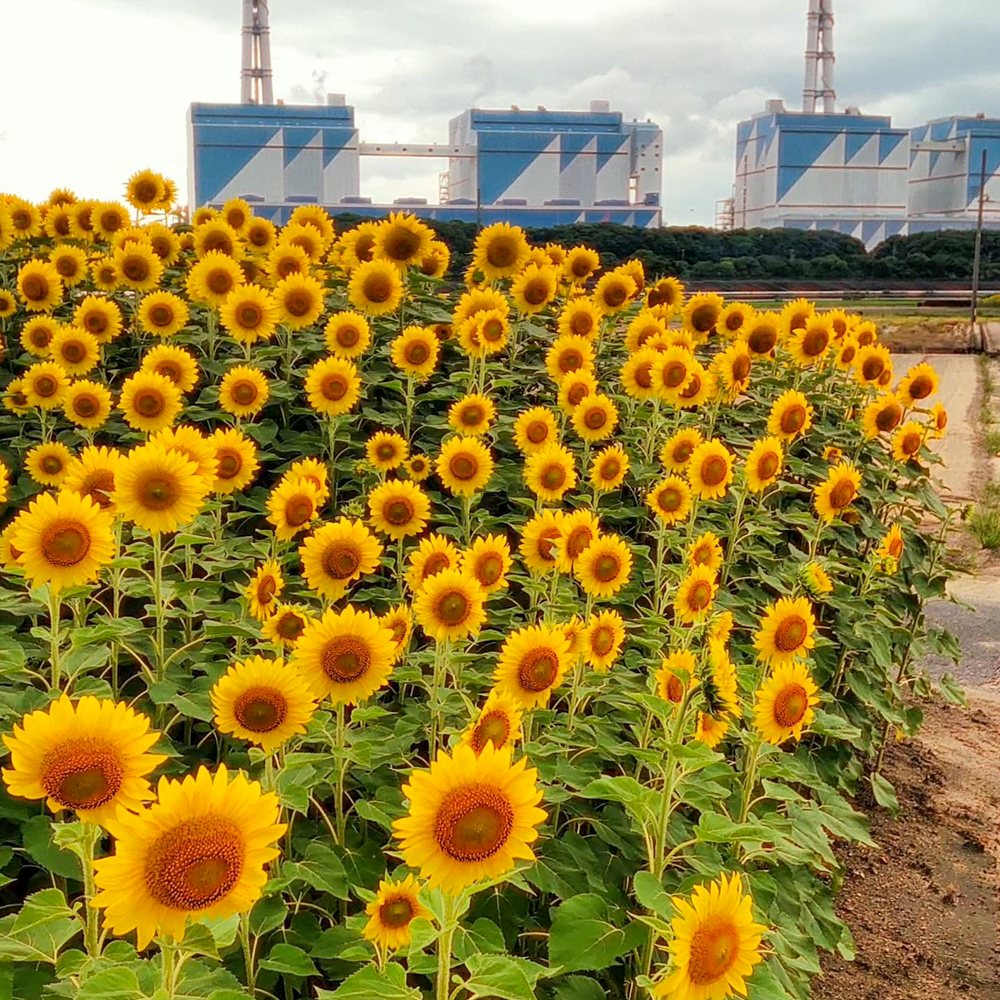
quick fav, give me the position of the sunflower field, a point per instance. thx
(365, 636)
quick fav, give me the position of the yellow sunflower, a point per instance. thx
(415, 351)
(762, 333)
(732, 368)
(165, 243)
(265, 702)
(534, 288)
(677, 674)
(920, 382)
(333, 386)
(786, 631)
(70, 263)
(398, 509)
(100, 317)
(345, 655)
(386, 450)
(237, 214)
(75, 350)
(450, 606)
(433, 555)
(63, 540)
(870, 362)
(500, 251)
(25, 219)
(644, 329)
(39, 286)
(695, 594)
(347, 335)
(90, 757)
(608, 468)
(702, 388)
(236, 460)
(48, 463)
(705, 552)
(375, 288)
(92, 474)
(701, 313)
(498, 723)
(465, 465)
(882, 415)
(395, 906)
(285, 259)
(667, 292)
(162, 314)
(199, 851)
(401, 240)
(8, 304)
(764, 464)
(264, 589)
(575, 388)
(337, 554)
(535, 429)
(670, 500)
(603, 639)
(418, 467)
(816, 579)
(212, 278)
(250, 313)
(104, 274)
(45, 384)
(539, 541)
(532, 663)
(837, 492)
(472, 414)
(158, 489)
(791, 414)
(138, 267)
(243, 391)
(604, 566)
(144, 190)
(578, 530)
(785, 703)
(175, 363)
(315, 471)
(673, 372)
(300, 300)
(637, 374)
(795, 315)
(150, 401)
(216, 236)
(811, 342)
(675, 455)
(710, 470)
(435, 263)
(488, 561)
(595, 418)
(550, 473)
(938, 420)
(846, 353)
(907, 441)
(357, 244)
(399, 621)
(286, 624)
(891, 546)
(569, 354)
(260, 235)
(579, 318)
(715, 943)
(292, 506)
(580, 263)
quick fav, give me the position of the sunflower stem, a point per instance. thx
(158, 608)
(249, 961)
(168, 961)
(91, 833)
(55, 610)
(449, 924)
(410, 399)
(734, 531)
(338, 792)
(749, 778)
(441, 651)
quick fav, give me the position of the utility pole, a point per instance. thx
(978, 253)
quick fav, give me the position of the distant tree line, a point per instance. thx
(761, 256)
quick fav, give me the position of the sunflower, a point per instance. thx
(695, 595)
(357, 244)
(637, 374)
(732, 367)
(870, 362)
(395, 906)
(938, 420)
(99, 317)
(837, 492)
(265, 702)
(190, 442)
(465, 465)
(92, 474)
(575, 388)
(702, 387)
(809, 343)
(39, 286)
(345, 655)
(138, 267)
(203, 214)
(705, 551)
(63, 540)
(608, 468)
(569, 354)
(286, 624)
(762, 333)
(401, 240)
(470, 817)
(315, 471)
(701, 313)
(104, 274)
(604, 566)
(675, 455)
(734, 318)
(243, 391)
(317, 217)
(198, 852)
(449, 606)
(162, 313)
(75, 350)
(603, 640)
(157, 489)
(236, 461)
(212, 278)
(672, 373)
(534, 288)
(90, 757)
(165, 243)
(45, 384)
(534, 430)
(539, 540)
(285, 259)
(715, 943)
(8, 304)
(48, 463)
(399, 621)
(375, 288)
(500, 251)
(435, 263)
(25, 219)
(668, 292)
(175, 363)
(70, 263)
(300, 299)
(670, 500)
(472, 414)
(150, 401)
(498, 723)
(260, 235)
(292, 506)
(398, 509)
(144, 190)
(882, 415)
(550, 473)
(920, 382)
(847, 353)
(15, 396)
(578, 530)
(347, 335)
(791, 414)
(333, 386)
(477, 301)
(433, 555)
(643, 330)
(579, 318)
(415, 351)
(532, 663)
(488, 561)
(417, 467)
(907, 441)
(250, 313)
(386, 450)
(595, 418)
(237, 214)
(483, 334)
(786, 631)
(336, 555)
(795, 315)
(615, 292)
(216, 236)
(785, 703)
(676, 675)
(816, 579)
(580, 263)
(710, 470)
(764, 464)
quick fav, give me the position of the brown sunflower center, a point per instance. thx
(921, 386)
(675, 374)
(767, 465)
(492, 330)
(643, 375)
(345, 659)
(674, 689)
(493, 727)
(236, 217)
(537, 431)
(762, 339)
(399, 511)
(45, 386)
(610, 468)
(65, 542)
(847, 354)
(547, 544)
(872, 367)
(791, 633)
(82, 774)
(96, 323)
(401, 244)
(602, 640)
(670, 499)
(111, 222)
(790, 705)
(713, 470)
(149, 403)
(290, 626)
(159, 491)
(230, 464)
(34, 287)
(793, 419)
(473, 822)
(99, 486)
(386, 451)
(161, 315)
(146, 191)
(471, 415)
(489, 569)
(536, 292)
(538, 670)
(715, 947)
(298, 510)
(463, 466)
(52, 465)
(553, 477)
(570, 360)
(334, 387)
(842, 494)
(453, 607)
(219, 281)
(911, 442)
(377, 287)
(249, 315)
(170, 369)
(348, 335)
(577, 540)
(740, 367)
(286, 266)
(607, 567)
(704, 317)
(502, 251)
(734, 321)
(595, 418)
(196, 863)
(74, 351)
(581, 324)
(135, 267)
(700, 596)
(815, 341)
(298, 302)
(259, 236)
(341, 560)
(20, 219)
(244, 392)
(580, 266)
(66, 266)
(889, 416)
(437, 563)
(577, 393)
(417, 353)
(260, 709)
(396, 912)
(615, 294)
(40, 336)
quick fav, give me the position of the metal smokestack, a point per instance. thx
(819, 58)
(255, 78)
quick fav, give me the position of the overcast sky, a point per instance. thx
(91, 90)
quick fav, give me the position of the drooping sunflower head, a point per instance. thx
(920, 382)
(450, 605)
(732, 366)
(816, 579)
(395, 906)
(399, 509)
(550, 472)
(608, 468)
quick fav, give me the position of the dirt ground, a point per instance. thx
(925, 909)
(935, 335)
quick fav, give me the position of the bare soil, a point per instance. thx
(925, 909)
(931, 335)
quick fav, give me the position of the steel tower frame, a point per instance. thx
(819, 58)
(256, 85)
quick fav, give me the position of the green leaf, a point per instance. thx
(650, 892)
(39, 929)
(502, 977)
(290, 961)
(582, 936)
(835, 726)
(885, 794)
(267, 914)
(36, 835)
(320, 868)
(120, 983)
(370, 984)
(951, 690)
(579, 988)
(715, 829)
